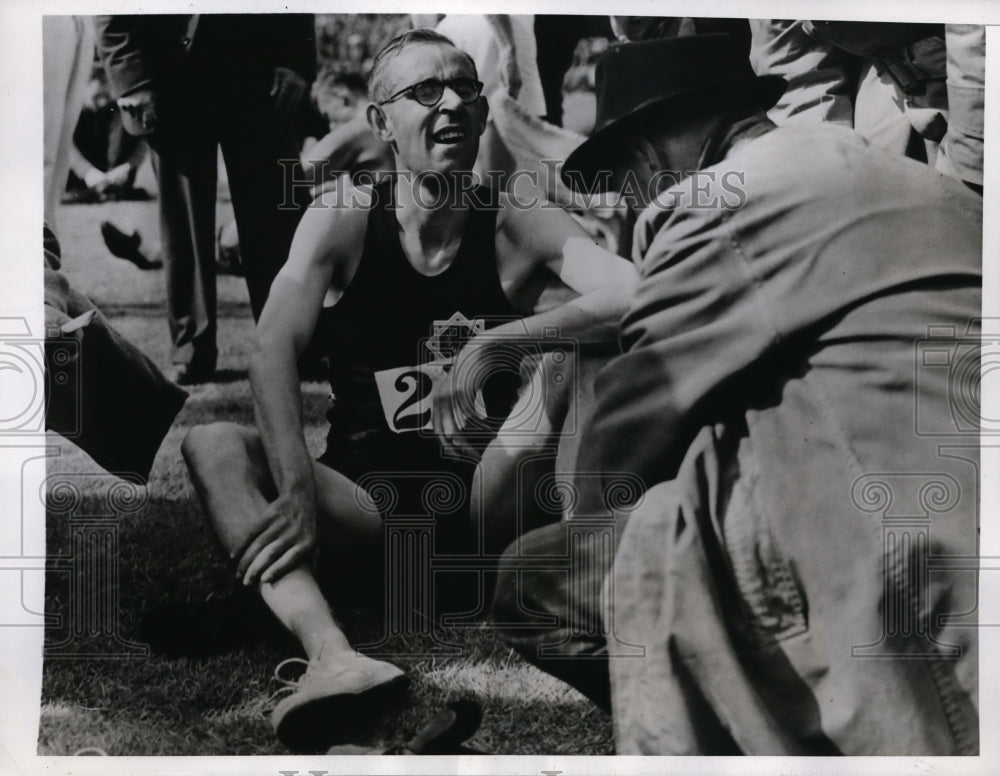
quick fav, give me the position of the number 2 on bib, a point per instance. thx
(405, 394)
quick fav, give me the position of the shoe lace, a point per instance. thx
(312, 667)
(290, 685)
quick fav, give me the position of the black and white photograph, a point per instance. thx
(491, 390)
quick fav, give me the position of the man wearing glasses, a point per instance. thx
(424, 300)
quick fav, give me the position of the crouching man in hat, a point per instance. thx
(799, 397)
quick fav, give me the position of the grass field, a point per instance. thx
(217, 704)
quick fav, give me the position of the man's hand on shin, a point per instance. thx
(285, 537)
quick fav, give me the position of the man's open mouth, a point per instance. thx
(450, 135)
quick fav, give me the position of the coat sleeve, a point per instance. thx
(698, 320)
(127, 46)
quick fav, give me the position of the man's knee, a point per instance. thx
(530, 594)
(537, 609)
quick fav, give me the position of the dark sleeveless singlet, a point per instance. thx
(383, 320)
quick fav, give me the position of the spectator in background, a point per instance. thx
(580, 75)
(67, 59)
(102, 392)
(960, 154)
(336, 140)
(357, 54)
(631, 29)
(914, 89)
(104, 157)
(556, 39)
(190, 84)
(349, 147)
(338, 95)
(104, 160)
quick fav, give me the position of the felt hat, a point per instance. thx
(633, 77)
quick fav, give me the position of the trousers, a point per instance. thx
(260, 152)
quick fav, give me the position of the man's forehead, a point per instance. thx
(427, 60)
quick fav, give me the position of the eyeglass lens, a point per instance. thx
(429, 92)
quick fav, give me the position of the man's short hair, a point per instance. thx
(377, 87)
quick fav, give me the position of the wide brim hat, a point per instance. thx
(633, 77)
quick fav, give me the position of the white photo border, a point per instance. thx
(21, 296)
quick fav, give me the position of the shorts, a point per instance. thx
(407, 478)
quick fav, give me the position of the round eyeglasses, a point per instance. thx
(429, 92)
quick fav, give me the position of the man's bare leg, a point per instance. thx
(505, 501)
(231, 476)
(230, 473)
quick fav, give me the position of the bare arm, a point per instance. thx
(529, 241)
(548, 239)
(317, 253)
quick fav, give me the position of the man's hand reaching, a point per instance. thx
(285, 537)
(454, 411)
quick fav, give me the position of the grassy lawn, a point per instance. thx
(148, 703)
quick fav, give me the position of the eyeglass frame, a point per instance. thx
(409, 91)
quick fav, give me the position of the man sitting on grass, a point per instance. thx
(385, 268)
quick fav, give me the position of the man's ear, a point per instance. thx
(484, 113)
(377, 122)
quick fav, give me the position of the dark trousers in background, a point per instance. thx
(556, 38)
(236, 114)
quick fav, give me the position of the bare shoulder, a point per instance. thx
(535, 230)
(515, 215)
(330, 236)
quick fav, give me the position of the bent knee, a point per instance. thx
(529, 591)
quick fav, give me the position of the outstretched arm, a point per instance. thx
(548, 240)
(529, 241)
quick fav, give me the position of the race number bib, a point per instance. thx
(406, 396)
(405, 392)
